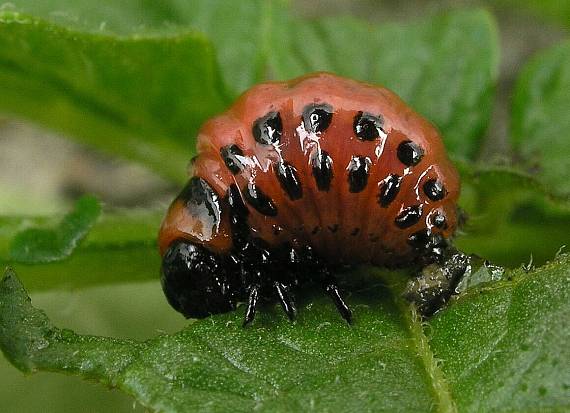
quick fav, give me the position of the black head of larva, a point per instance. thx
(317, 117)
(368, 127)
(194, 281)
(268, 129)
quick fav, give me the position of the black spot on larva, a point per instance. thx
(238, 216)
(203, 202)
(289, 180)
(322, 169)
(434, 190)
(367, 127)
(419, 239)
(236, 202)
(277, 229)
(268, 129)
(355, 232)
(231, 155)
(315, 230)
(333, 228)
(358, 169)
(257, 199)
(317, 117)
(373, 237)
(410, 153)
(389, 189)
(439, 221)
(409, 216)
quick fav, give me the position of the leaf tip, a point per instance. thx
(10, 282)
(43, 245)
(23, 328)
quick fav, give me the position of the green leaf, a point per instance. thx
(540, 122)
(445, 67)
(120, 247)
(496, 337)
(238, 29)
(317, 361)
(504, 347)
(140, 83)
(140, 97)
(511, 217)
(553, 10)
(37, 245)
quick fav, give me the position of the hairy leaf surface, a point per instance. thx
(383, 362)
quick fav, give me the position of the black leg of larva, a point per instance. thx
(343, 309)
(253, 260)
(323, 276)
(251, 304)
(285, 299)
(330, 286)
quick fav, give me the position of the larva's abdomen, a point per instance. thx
(339, 165)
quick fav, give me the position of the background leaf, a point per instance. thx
(540, 122)
(554, 10)
(36, 245)
(444, 67)
(121, 247)
(238, 29)
(129, 79)
(145, 95)
(140, 97)
(508, 211)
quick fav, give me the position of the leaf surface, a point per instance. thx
(142, 98)
(238, 29)
(540, 122)
(383, 362)
(503, 347)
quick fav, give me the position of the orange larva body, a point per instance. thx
(343, 167)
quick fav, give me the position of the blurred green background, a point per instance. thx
(41, 173)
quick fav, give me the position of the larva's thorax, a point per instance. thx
(339, 165)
